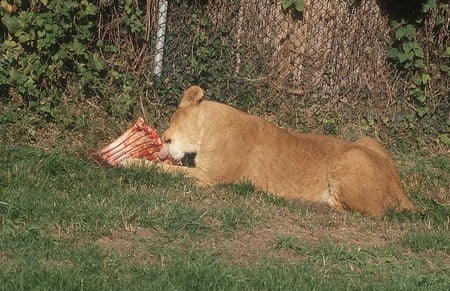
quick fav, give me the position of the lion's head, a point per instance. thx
(184, 130)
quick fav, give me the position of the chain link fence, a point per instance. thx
(331, 56)
(332, 47)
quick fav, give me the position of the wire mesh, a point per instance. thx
(335, 50)
(331, 47)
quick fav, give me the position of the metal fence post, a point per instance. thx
(159, 49)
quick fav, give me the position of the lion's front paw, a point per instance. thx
(136, 162)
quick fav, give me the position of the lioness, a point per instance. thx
(233, 146)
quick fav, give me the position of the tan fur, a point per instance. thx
(233, 146)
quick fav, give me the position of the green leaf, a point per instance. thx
(417, 80)
(28, 68)
(399, 33)
(32, 103)
(77, 47)
(12, 45)
(392, 53)
(407, 46)
(300, 5)
(410, 31)
(427, 6)
(61, 54)
(421, 97)
(445, 69)
(24, 37)
(444, 138)
(285, 4)
(422, 110)
(425, 78)
(45, 108)
(418, 52)
(90, 9)
(404, 57)
(440, 20)
(419, 63)
(98, 62)
(10, 23)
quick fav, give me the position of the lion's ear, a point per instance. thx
(192, 96)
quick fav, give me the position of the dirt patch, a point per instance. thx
(4, 260)
(134, 245)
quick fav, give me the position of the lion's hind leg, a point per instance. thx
(365, 182)
(393, 179)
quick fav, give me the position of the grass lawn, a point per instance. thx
(69, 224)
